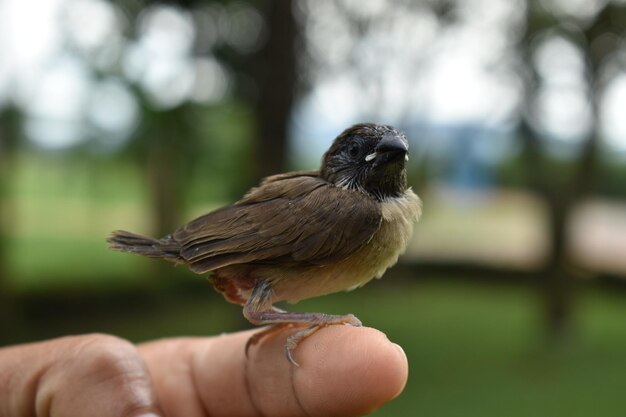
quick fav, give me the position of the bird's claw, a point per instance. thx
(297, 337)
(292, 341)
(351, 320)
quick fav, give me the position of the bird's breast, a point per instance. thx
(390, 241)
(399, 214)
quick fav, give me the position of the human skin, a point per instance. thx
(345, 371)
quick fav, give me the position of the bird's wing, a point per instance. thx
(291, 219)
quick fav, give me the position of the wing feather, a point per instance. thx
(291, 218)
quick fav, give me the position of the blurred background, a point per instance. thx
(140, 115)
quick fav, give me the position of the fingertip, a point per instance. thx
(349, 371)
(344, 371)
(401, 367)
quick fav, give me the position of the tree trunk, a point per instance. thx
(165, 190)
(276, 78)
(561, 198)
(167, 167)
(556, 283)
(9, 137)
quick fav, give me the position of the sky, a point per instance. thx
(460, 75)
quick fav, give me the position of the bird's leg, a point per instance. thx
(258, 336)
(258, 310)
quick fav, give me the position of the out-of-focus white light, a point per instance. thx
(166, 31)
(91, 23)
(563, 113)
(58, 99)
(501, 14)
(210, 83)
(160, 61)
(462, 89)
(613, 122)
(578, 9)
(562, 110)
(335, 101)
(60, 92)
(246, 25)
(54, 133)
(369, 8)
(169, 84)
(30, 37)
(559, 61)
(113, 108)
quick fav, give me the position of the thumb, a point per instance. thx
(94, 375)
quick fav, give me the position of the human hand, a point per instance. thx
(345, 371)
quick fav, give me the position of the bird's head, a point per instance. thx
(370, 158)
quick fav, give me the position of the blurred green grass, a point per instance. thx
(61, 211)
(474, 349)
(478, 350)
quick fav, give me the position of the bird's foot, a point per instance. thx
(280, 319)
(297, 337)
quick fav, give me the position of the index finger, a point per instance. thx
(345, 371)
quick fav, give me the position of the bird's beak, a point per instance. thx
(392, 143)
(391, 148)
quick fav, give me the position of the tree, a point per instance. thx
(562, 194)
(10, 126)
(274, 69)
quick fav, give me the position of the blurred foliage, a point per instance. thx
(514, 171)
(610, 181)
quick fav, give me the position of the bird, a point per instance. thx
(301, 234)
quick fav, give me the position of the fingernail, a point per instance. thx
(404, 358)
(402, 352)
(148, 415)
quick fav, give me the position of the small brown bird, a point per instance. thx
(302, 234)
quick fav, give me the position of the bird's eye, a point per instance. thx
(354, 149)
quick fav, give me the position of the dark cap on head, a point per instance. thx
(370, 158)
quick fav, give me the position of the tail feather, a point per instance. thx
(166, 248)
